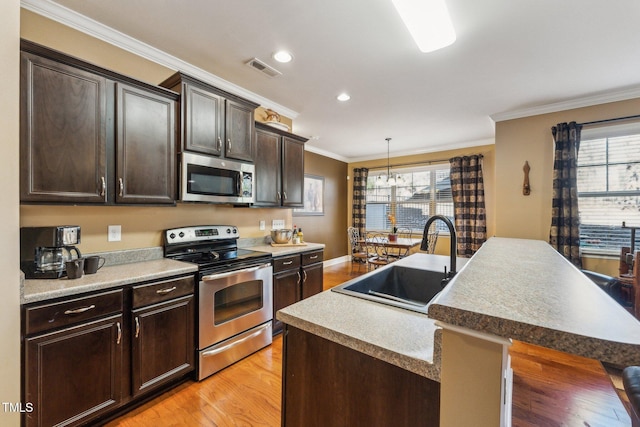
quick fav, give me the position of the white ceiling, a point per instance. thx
(509, 56)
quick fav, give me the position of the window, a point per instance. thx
(419, 193)
(609, 187)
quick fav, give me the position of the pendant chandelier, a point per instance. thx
(390, 180)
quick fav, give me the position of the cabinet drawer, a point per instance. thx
(286, 263)
(312, 257)
(50, 316)
(162, 291)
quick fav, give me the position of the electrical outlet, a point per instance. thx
(262, 225)
(277, 224)
(115, 233)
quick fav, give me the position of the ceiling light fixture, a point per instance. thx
(390, 180)
(282, 56)
(428, 22)
(343, 97)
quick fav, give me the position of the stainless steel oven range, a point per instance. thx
(234, 293)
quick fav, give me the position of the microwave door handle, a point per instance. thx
(239, 185)
(231, 273)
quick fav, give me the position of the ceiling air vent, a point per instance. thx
(258, 65)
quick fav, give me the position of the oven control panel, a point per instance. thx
(201, 233)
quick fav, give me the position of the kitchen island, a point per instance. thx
(512, 288)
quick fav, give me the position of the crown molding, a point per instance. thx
(587, 101)
(325, 153)
(109, 35)
(432, 149)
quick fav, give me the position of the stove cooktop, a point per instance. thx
(211, 247)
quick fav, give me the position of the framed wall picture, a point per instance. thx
(313, 196)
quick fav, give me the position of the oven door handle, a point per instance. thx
(235, 343)
(231, 273)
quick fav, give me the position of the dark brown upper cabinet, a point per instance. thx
(214, 121)
(279, 168)
(89, 135)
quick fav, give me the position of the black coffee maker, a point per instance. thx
(45, 250)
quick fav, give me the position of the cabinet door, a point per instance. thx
(267, 166)
(163, 345)
(312, 280)
(286, 291)
(145, 147)
(74, 374)
(63, 132)
(239, 129)
(203, 115)
(292, 172)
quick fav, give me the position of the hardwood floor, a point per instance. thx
(550, 389)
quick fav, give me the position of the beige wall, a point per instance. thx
(530, 139)
(9, 220)
(330, 228)
(488, 169)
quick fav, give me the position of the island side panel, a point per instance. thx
(327, 384)
(472, 382)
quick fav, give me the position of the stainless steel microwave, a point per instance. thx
(213, 180)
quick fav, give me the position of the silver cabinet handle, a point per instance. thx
(104, 186)
(119, 333)
(219, 144)
(231, 273)
(305, 276)
(284, 195)
(287, 263)
(313, 257)
(165, 291)
(79, 310)
(121, 186)
(228, 144)
(137, 327)
(233, 344)
(278, 196)
(299, 278)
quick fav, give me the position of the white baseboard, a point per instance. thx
(334, 261)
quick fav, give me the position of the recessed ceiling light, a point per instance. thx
(343, 97)
(428, 23)
(282, 56)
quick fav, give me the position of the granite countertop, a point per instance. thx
(286, 250)
(404, 338)
(110, 276)
(512, 288)
(523, 289)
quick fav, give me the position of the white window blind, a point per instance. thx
(608, 186)
(420, 192)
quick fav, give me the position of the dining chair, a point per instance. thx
(432, 239)
(403, 233)
(377, 254)
(358, 252)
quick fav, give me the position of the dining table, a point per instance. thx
(403, 244)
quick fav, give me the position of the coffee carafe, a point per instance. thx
(45, 250)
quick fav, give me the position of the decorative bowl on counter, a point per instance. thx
(282, 235)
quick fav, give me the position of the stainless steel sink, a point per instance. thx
(408, 288)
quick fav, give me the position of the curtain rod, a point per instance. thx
(617, 119)
(422, 163)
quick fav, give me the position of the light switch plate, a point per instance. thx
(277, 224)
(115, 233)
(262, 225)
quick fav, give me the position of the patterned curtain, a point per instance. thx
(564, 235)
(359, 210)
(467, 187)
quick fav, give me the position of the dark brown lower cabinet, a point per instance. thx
(327, 384)
(163, 345)
(74, 374)
(295, 277)
(90, 356)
